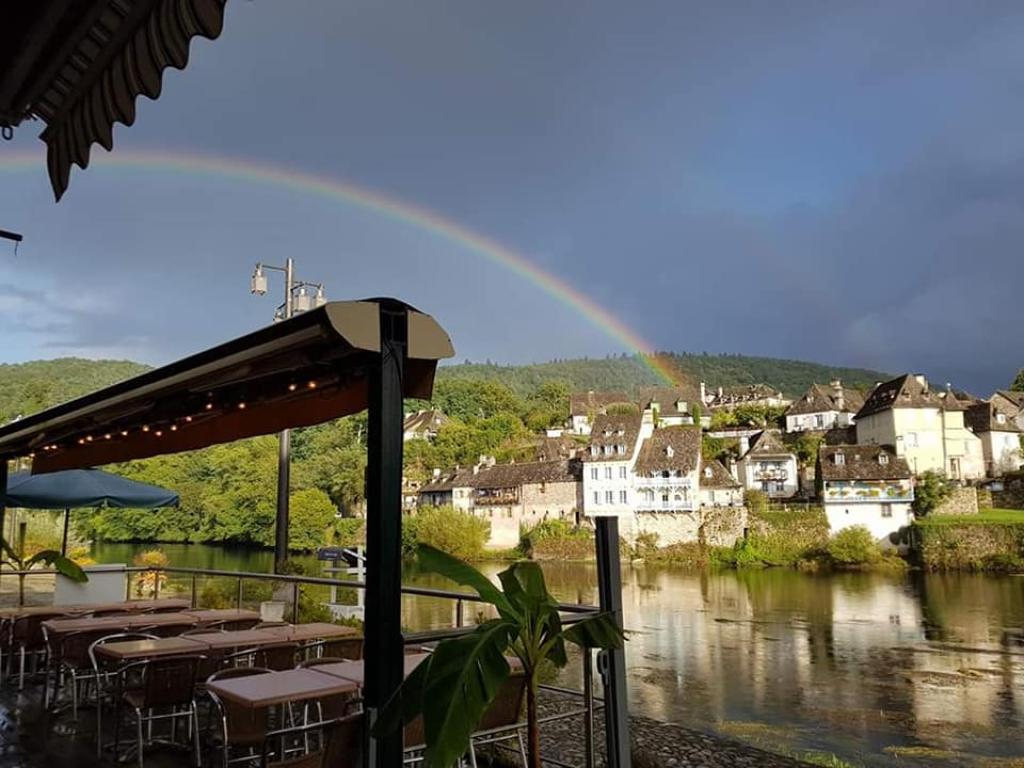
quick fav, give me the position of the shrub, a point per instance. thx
(460, 534)
(930, 490)
(854, 546)
(146, 583)
(558, 539)
(755, 501)
(311, 516)
(351, 531)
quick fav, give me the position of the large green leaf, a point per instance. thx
(9, 551)
(525, 588)
(435, 560)
(600, 631)
(464, 678)
(59, 562)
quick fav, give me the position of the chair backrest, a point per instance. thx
(266, 624)
(345, 647)
(241, 724)
(172, 630)
(75, 646)
(169, 681)
(322, 660)
(279, 656)
(28, 630)
(236, 625)
(340, 744)
(163, 609)
(507, 705)
(116, 637)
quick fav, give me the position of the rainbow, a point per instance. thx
(409, 214)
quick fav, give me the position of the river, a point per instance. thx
(880, 670)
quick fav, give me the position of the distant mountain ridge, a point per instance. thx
(29, 387)
(629, 372)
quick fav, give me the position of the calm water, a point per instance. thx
(864, 666)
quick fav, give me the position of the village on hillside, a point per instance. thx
(683, 463)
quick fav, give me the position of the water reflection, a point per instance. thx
(846, 663)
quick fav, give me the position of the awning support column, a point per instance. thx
(612, 664)
(3, 495)
(64, 538)
(383, 614)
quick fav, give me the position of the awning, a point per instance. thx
(77, 488)
(79, 65)
(299, 372)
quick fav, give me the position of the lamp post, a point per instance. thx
(296, 299)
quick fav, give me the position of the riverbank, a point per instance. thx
(992, 540)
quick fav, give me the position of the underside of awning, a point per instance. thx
(299, 372)
(79, 65)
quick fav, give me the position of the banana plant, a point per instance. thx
(48, 558)
(453, 687)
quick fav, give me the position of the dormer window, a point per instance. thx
(669, 452)
(621, 432)
(883, 458)
(607, 433)
(839, 459)
(681, 406)
(594, 450)
(707, 472)
(620, 449)
(1000, 418)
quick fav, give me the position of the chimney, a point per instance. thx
(703, 393)
(731, 466)
(720, 393)
(837, 395)
(922, 381)
(744, 445)
(436, 473)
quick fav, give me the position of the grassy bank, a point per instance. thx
(992, 540)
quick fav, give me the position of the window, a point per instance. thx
(780, 487)
(607, 473)
(887, 510)
(609, 497)
(664, 498)
(593, 473)
(669, 451)
(840, 459)
(707, 472)
(622, 473)
(666, 473)
(883, 458)
(620, 449)
(1000, 418)
(597, 497)
(622, 497)
(819, 420)
(911, 440)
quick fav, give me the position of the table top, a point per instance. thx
(274, 688)
(119, 622)
(318, 630)
(353, 670)
(240, 638)
(209, 615)
(134, 650)
(75, 608)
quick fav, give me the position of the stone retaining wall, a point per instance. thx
(961, 501)
(1012, 495)
(723, 526)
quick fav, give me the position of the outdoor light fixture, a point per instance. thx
(321, 297)
(258, 282)
(303, 301)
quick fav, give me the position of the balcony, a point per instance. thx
(496, 499)
(663, 482)
(688, 505)
(772, 473)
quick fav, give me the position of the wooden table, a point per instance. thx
(240, 638)
(211, 615)
(130, 606)
(135, 650)
(315, 631)
(116, 623)
(275, 688)
(353, 670)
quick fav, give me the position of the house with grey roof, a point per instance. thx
(584, 407)
(666, 473)
(422, 425)
(824, 407)
(672, 406)
(768, 465)
(995, 426)
(718, 488)
(608, 463)
(745, 394)
(865, 485)
(1011, 402)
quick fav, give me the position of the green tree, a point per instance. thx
(453, 687)
(1018, 383)
(854, 546)
(311, 519)
(470, 399)
(460, 534)
(930, 490)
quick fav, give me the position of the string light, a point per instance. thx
(241, 406)
(89, 438)
(209, 406)
(124, 433)
(174, 427)
(145, 427)
(311, 384)
(292, 387)
(188, 419)
(159, 433)
(81, 441)
(106, 436)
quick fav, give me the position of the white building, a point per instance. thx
(673, 406)
(999, 435)
(667, 471)
(926, 427)
(745, 394)
(584, 407)
(718, 488)
(769, 466)
(866, 485)
(608, 464)
(824, 407)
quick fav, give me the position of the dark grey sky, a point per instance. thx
(830, 181)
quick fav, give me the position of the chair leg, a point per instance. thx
(522, 748)
(193, 727)
(472, 754)
(138, 733)
(21, 670)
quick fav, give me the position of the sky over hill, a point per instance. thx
(807, 181)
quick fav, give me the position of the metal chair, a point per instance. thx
(240, 727)
(339, 744)
(103, 673)
(167, 684)
(31, 641)
(278, 657)
(70, 659)
(163, 609)
(270, 624)
(173, 630)
(350, 648)
(330, 707)
(501, 721)
(104, 612)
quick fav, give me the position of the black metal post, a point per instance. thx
(64, 538)
(383, 627)
(283, 482)
(3, 494)
(612, 664)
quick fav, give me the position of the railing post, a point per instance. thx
(459, 613)
(194, 603)
(295, 602)
(156, 584)
(612, 663)
(239, 603)
(588, 704)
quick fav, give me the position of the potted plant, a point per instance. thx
(18, 561)
(453, 687)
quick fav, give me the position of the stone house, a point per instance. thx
(824, 407)
(1012, 403)
(999, 435)
(718, 488)
(422, 425)
(671, 406)
(608, 464)
(666, 473)
(746, 394)
(528, 493)
(924, 426)
(584, 407)
(866, 485)
(768, 466)
(453, 488)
